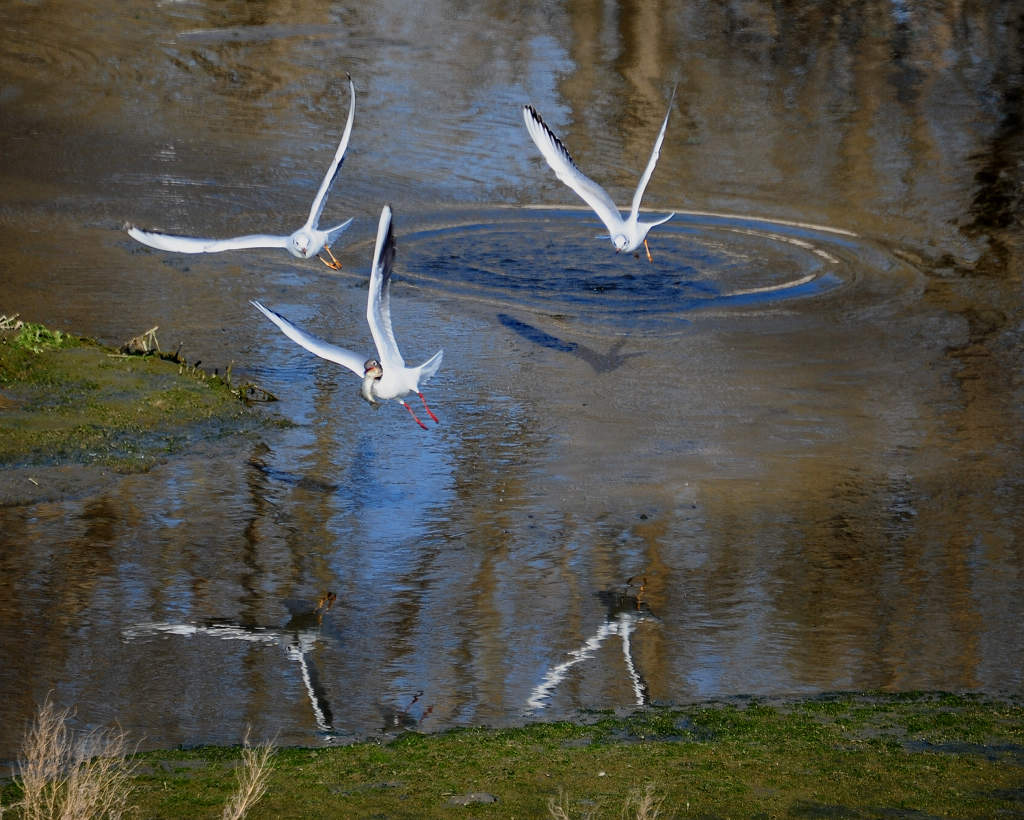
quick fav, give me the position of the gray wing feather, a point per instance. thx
(565, 169)
(191, 244)
(655, 153)
(339, 156)
(325, 350)
(378, 300)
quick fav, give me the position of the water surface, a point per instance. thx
(785, 457)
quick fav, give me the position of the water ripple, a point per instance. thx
(554, 262)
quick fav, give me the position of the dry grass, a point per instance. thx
(64, 776)
(559, 809)
(252, 779)
(641, 804)
(70, 777)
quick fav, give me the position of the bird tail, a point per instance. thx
(430, 366)
(338, 230)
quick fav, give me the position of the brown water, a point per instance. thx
(783, 458)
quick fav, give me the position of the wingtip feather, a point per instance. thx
(261, 308)
(531, 113)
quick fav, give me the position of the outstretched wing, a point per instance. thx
(339, 355)
(565, 169)
(655, 153)
(191, 244)
(339, 156)
(378, 300)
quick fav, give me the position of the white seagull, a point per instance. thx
(306, 242)
(385, 377)
(626, 234)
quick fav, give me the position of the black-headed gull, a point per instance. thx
(304, 243)
(385, 377)
(626, 234)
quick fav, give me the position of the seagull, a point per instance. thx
(307, 241)
(626, 234)
(385, 377)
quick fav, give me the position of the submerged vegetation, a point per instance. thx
(65, 399)
(847, 755)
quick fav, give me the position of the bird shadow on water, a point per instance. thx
(599, 362)
(260, 463)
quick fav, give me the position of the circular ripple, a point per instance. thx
(552, 261)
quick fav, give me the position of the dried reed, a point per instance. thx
(252, 779)
(68, 776)
(641, 804)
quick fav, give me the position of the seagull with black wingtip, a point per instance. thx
(385, 377)
(626, 234)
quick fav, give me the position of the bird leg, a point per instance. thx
(411, 413)
(429, 411)
(334, 264)
(649, 257)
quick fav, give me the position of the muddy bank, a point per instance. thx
(74, 410)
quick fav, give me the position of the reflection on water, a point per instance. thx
(800, 425)
(624, 612)
(299, 637)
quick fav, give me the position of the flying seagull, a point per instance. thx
(626, 234)
(306, 242)
(385, 377)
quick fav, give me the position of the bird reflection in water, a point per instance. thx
(625, 609)
(298, 637)
(398, 719)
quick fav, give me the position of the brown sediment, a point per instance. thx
(68, 400)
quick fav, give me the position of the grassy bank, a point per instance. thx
(68, 400)
(845, 756)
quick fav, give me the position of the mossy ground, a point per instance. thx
(848, 756)
(68, 400)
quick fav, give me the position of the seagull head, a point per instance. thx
(372, 371)
(300, 243)
(620, 242)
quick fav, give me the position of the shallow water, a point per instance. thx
(785, 457)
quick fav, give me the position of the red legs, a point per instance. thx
(429, 411)
(411, 413)
(334, 264)
(425, 407)
(649, 257)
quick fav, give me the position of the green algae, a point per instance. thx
(69, 400)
